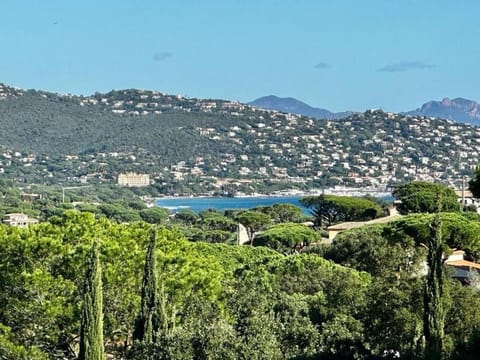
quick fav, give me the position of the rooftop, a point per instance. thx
(357, 224)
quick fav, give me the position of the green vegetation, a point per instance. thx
(180, 291)
(91, 328)
(331, 209)
(434, 314)
(419, 197)
(282, 213)
(253, 221)
(287, 237)
(148, 323)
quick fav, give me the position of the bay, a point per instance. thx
(198, 204)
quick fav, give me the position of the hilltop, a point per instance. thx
(190, 144)
(294, 106)
(459, 109)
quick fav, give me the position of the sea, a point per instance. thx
(198, 204)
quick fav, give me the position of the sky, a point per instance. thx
(336, 54)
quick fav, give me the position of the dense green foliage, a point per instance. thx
(244, 293)
(331, 209)
(147, 325)
(91, 328)
(287, 237)
(181, 292)
(458, 231)
(282, 213)
(399, 287)
(419, 197)
(433, 299)
(370, 248)
(253, 221)
(52, 124)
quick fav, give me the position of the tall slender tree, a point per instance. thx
(434, 312)
(91, 331)
(148, 322)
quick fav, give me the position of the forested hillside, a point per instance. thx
(51, 124)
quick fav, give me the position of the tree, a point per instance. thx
(187, 216)
(285, 237)
(336, 298)
(217, 236)
(419, 197)
(154, 215)
(370, 248)
(91, 330)
(462, 320)
(434, 314)
(147, 331)
(282, 213)
(148, 322)
(474, 183)
(458, 231)
(217, 221)
(393, 317)
(9, 349)
(253, 221)
(332, 209)
(119, 213)
(255, 324)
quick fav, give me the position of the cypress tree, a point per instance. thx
(434, 312)
(91, 330)
(148, 323)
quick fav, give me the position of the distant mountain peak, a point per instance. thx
(294, 106)
(458, 109)
(446, 101)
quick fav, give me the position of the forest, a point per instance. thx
(85, 286)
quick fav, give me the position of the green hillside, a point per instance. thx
(181, 137)
(54, 124)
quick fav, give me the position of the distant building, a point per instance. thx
(466, 198)
(19, 220)
(242, 235)
(333, 230)
(30, 197)
(467, 272)
(133, 180)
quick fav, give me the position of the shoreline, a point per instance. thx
(313, 192)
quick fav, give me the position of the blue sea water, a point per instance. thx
(219, 203)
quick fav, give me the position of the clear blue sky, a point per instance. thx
(337, 54)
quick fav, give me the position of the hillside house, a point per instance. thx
(465, 271)
(337, 228)
(19, 220)
(466, 198)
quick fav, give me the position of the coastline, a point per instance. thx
(292, 193)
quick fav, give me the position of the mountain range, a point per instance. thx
(458, 109)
